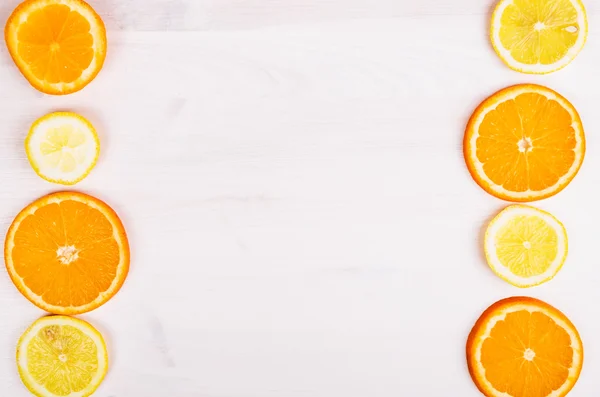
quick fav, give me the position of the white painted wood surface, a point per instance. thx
(291, 177)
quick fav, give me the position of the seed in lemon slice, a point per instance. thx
(538, 36)
(523, 347)
(525, 246)
(62, 147)
(58, 45)
(62, 356)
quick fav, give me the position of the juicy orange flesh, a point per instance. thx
(539, 31)
(62, 359)
(56, 43)
(526, 143)
(526, 245)
(66, 253)
(522, 335)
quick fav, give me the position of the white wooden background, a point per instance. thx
(291, 176)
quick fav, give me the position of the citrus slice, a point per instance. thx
(62, 147)
(58, 45)
(525, 246)
(524, 143)
(523, 347)
(62, 356)
(538, 36)
(67, 253)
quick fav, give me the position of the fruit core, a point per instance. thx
(529, 355)
(67, 254)
(525, 145)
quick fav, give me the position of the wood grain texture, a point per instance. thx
(291, 177)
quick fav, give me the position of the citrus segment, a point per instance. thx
(67, 253)
(524, 143)
(525, 246)
(523, 347)
(58, 45)
(538, 36)
(62, 147)
(62, 356)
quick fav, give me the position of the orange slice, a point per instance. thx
(523, 347)
(524, 143)
(58, 45)
(67, 253)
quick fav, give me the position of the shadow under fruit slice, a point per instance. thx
(524, 143)
(62, 356)
(59, 46)
(523, 347)
(67, 253)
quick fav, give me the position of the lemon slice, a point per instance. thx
(538, 36)
(62, 147)
(525, 246)
(62, 356)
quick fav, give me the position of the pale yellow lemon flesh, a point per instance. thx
(525, 246)
(62, 147)
(61, 356)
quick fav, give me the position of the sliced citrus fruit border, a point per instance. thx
(496, 314)
(481, 330)
(60, 46)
